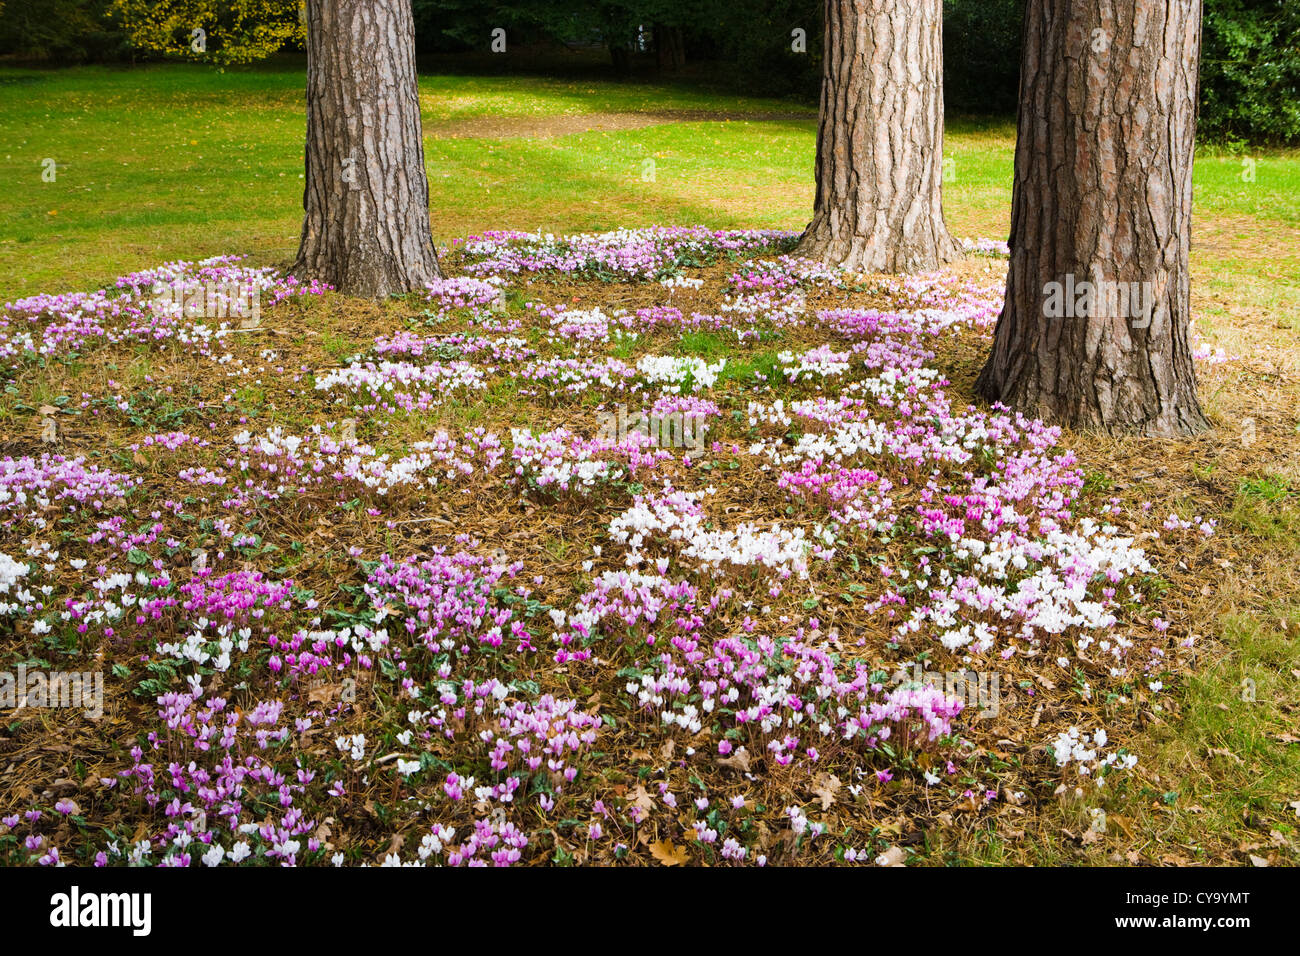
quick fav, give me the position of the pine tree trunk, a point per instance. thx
(366, 224)
(879, 206)
(1103, 193)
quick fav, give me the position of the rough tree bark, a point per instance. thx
(366, 201)
(1103, 190)
(879, 206)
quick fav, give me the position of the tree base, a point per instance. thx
(1106, 407)
(369, 276)
(878, 253)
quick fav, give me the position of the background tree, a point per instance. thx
(233, 32)
(1103, 188)
(1250, 64)
(1250, 70)
(61, 31)
(757, 42)
(366, 224)
(981, 55)
(613, 24)
(880, 140)
(465, 26)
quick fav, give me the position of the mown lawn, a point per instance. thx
(177, 161)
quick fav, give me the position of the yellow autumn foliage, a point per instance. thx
(211, 31)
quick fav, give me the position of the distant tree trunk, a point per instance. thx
(670, 48)
(621, 57)
(879, 205)
(1103, 196)
(366, 201)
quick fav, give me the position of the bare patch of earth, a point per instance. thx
(547, 127)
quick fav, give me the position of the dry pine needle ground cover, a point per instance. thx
(378, 583)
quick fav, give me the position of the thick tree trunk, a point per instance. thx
(879, 206)
(1102, 194)
(366, 228)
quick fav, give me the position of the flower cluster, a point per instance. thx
(560, 461)
(403, 385)
(680, 374)
(626, 254)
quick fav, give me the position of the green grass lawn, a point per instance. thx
(180, 161)
(173, 162)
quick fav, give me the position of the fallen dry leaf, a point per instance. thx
(737, 761)
(325, 693)
(825, 788)
(669, 855)
(894, 856)
(642, 799)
